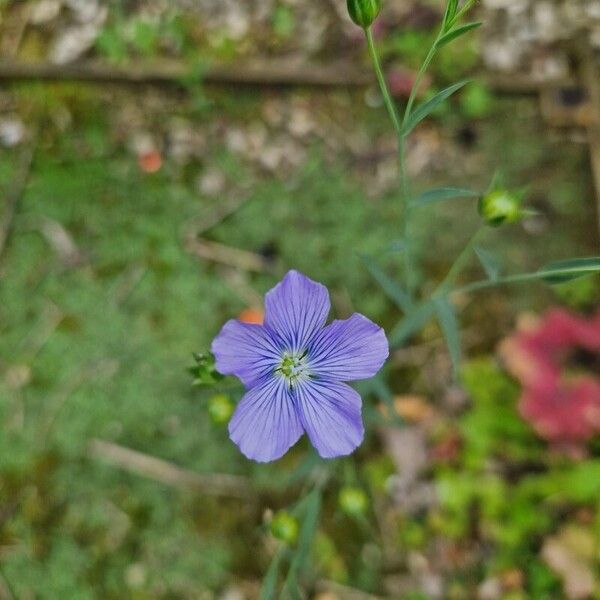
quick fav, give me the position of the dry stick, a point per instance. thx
(276, 73)
(272, 73)
(13, 198)
(226, 255)
(160, 470)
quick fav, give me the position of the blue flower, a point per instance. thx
(294, 368)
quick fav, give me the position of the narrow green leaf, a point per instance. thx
(456, 33)
(392, 288)
(566, 270)
(557, 272)
(449, 325)
(441, 194)
(425, 109)
(489, 262)
(411, 323)
(450, 12)
(269, 586)
(305, 539)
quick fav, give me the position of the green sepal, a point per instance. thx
(364, 12)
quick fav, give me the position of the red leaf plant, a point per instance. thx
(557, 360)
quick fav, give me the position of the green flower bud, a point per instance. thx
(364, 12)
(220, 408)
(284, 527)
(353, 501)
(499, 207)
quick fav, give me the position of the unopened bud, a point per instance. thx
(284, 527)
(220, 408)
(353, 501)
(364, 12)
(499, 207)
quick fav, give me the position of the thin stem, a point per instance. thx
(404, 187)
(406, 216)
(419, 79)
(462, 12)
(489, 283)
(387, 98)
(459, 263)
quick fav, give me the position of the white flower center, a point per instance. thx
(293, 367)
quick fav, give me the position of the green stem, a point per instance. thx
(459, 263)
(404, 189)
(419, 79)
(387, 97)
(462, 12)
(483, 285)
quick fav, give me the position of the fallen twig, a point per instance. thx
(227, 255)
(274, 73)
(160, 470)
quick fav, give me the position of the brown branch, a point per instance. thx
(160, 470)
(275, 73)
(271, 73)
(227, 255)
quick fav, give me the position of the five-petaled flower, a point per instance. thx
(294, 368)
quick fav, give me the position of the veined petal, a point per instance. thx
(330, 413)
(348, 350)
(265, 424)
(296, 308)
(245, 350)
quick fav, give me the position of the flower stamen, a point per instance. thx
(293, 367)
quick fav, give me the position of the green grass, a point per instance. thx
(101, 349)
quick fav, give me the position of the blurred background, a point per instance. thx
(162, 164)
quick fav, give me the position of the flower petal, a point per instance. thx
(296, 308)
(348, 350)
(331, 416)
(265, 424)
(245, 350)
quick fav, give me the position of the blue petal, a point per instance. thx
(330, 413)
(296, 308)
(265, 424)
(348, 350)
(245, 350)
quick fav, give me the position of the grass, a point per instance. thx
(100, 350)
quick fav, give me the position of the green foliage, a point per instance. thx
(456, 33)
(284, 527)
(353, 501)
(204, 371)
(505, 485)
(449, 325)
(425, 109)
(477, 101)
(442, 195)
(283, 21)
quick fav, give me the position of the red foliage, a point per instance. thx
(556, 359)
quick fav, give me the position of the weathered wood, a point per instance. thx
(275, 73)
(211, 484)
(271, 73)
